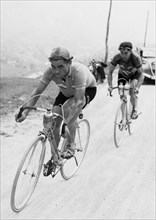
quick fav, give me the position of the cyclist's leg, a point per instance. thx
(52, 163)
(123, 109)
(133, 95)
(67, 110)
(57, 109)
(60, 99)
(89, 96)
(121, 80)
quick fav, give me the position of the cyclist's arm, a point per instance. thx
(79, 98)
(110, 73)
(38, 90)
(32, 102)
(138, 68)
(45, 80)
(141, 78)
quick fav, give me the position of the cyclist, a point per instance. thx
(75, 82)
(130, 68)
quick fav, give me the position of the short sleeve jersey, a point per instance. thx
(79, 76)
(125, 68)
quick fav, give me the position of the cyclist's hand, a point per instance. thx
(20, 116)
(110, 89)
(65, 131)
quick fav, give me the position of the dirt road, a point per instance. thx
(111, 183)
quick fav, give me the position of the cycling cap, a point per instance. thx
(60, 53)
(126, 44)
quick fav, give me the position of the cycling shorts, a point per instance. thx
(135, 76)
(89, 94)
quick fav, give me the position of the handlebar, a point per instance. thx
(36, 109)
(116, 87)
(30, 108)
(24, 107)
(33, 108)
(110, 92)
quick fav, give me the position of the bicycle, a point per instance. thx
(123, 121)
(32, 163)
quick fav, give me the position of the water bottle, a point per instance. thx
(47, 119)
(126, 89)
(121, 88)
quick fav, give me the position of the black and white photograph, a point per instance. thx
(77, 92)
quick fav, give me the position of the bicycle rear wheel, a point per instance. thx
(119, 125)
(27, 174)
(71, 166)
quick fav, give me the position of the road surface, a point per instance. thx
(112, 183)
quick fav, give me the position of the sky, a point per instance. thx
(77, 24)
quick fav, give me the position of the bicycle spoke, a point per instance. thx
(27, 175)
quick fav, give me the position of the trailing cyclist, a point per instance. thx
(130, 68)
(76, 83)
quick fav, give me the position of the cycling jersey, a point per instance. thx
(79, 76)
(125, 68)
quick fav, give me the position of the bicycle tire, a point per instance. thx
(119, 128)
(70, 167)
(35, 173)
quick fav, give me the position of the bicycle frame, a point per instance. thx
(49, 133)
(31, 164)
(122, 119)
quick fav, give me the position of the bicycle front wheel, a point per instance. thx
(27, 174)
(71, 166)
(119, 125)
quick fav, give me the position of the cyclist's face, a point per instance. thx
(125, 53)
(60, 68)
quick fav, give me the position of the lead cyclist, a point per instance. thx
(76, 83)
(130, 68)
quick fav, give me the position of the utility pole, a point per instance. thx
(146, 28)
(107, 32)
